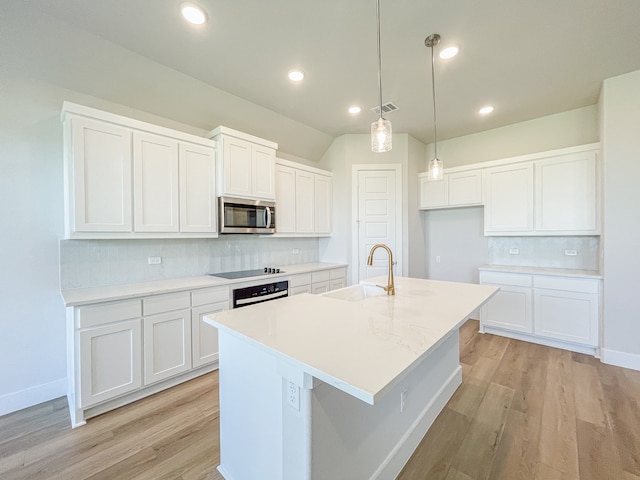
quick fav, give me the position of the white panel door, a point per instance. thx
(101, 183)
(376, 219)
(285, 199)
(323, 189)
(263, 172)
(465, 188)
(167, 345)
(434, 194)
(197, 189)
(204, 346)
(305, 217)
(155, 183)
(570, 316)
(509, 199)
(569, 182)
(510, 308)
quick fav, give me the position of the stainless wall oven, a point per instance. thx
(239, 215)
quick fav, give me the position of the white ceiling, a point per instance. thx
(528, 59)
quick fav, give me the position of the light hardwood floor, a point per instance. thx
(524, 411)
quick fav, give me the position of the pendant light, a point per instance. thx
(381, 128)
(435, 165)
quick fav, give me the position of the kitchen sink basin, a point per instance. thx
(356, 293)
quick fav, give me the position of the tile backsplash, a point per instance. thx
(94, 263)
(545, 252)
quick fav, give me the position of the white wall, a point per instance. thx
(620, 105)
(348, 150)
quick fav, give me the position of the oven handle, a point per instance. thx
(268, 212)
(262, 298)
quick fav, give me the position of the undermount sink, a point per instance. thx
(356, 293)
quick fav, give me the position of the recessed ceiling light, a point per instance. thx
(193, 13)
(485, 110)
(296, 75)
(449, 52)
(353, 110)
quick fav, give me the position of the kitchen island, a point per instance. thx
(338, 386)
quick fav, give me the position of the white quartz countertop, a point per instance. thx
(561, 272)
(86, 296)
(361, 347)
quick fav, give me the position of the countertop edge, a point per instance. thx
(559, 272)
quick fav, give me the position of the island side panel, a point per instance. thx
(251, 392)
(352, 439)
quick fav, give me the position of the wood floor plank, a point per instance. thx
(557, 444)
(516, 456)
(597, 460)
(478, 449)
(588, 395)
(546, 472)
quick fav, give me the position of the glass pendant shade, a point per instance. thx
(435, 169)
(381, 135)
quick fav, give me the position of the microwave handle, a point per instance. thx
(268, 214)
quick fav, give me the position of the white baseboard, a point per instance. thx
(620, 359)
(14, 401)
(400, 455)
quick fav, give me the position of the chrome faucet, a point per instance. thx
(390, 288)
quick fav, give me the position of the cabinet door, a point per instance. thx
(465, 188)
(299, 289)
(100, 166)
(204, 336)
(510, 309)
(110, 361)
(305, 199)
(433, 194)
(508, 203)
(285, 199)
(236, 160)
(155, 180)
(566, 194)
(167, 345)
(320, 287)
(569, 316)
(197, 189)
(337, 283)
(263, 172)
(323, 208)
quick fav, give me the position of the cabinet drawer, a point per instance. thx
(299, 289)
(585, 285)
(103, 313)
(517, 279)
(321, 276)
(337, 273)
(209, 295)
(299, 280)
(166, 303)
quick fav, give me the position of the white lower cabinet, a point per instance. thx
(318, 282)
(553, 310)
(204, 337)
(110, 361)
(167, 345)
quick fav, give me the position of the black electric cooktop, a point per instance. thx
(248, 273)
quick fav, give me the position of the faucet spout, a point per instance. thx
(390, 287)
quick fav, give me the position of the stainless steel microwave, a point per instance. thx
(241, 215)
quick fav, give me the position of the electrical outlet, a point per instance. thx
(295, 251)
(403, 400)
(154, 260)
(514, 251)
(571, 253)
(293, 396)
(438, 259)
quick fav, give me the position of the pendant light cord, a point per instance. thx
(433, 91)
(379, 57)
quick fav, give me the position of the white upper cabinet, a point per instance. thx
(98, 171)
(246, 164)
(509, 199)
(303, 200)
(569, 181)
(197, 189)
(130, 179)
(155, 183)
(456, 189)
